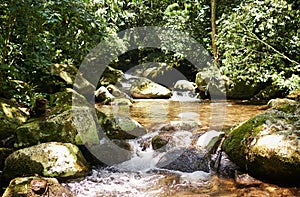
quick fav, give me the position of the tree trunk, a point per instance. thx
(214, 30)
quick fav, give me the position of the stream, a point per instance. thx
(140, 177)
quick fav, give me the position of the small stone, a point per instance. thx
(38, 186)
(245, 180)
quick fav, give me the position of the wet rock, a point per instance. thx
(245, 180)
(118, 126)
(76, 125)
(36, 186)
(279, 101)
(144, 88)
(11, 116)
(111, 76)
(224, 166)
(185, 160)
(267, 144)
(103, 95)
(53, 159)
(160, 141)
(210, 140)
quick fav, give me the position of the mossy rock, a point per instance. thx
(275, 103)
(267, 144)
(10, 118)
(52, 159)
(295, 95)
(66, 72)
(159, 142)
(110, 76)
(36, 187)
(119, 126)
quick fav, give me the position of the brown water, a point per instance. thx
(152, 113)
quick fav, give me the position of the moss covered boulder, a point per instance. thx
(11, 116)
(119, 126)
(267, 145)
(75, 126)
(52, 159)
(143, 88)
(36, 187)
(111, 76)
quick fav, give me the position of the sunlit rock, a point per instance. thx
(36, 186)
(76, 126)
(295, 95)
(143, 88)
(279, 101)
(11, 116)
(267, 145)
(184, 85)
(119, 126)
(110, 76)
(52, 159)
(210, 140)
(66, 72)
(103, 95)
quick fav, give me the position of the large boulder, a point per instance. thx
(295, 95)
(71, 126)
(267, 144)
(110, 76)
(52, 159)
(36, 186)
(184, 85)
(119, 126)
(143, 88)
(275, 103)
(11, 116)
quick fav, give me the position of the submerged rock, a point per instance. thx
(143, 88)
(36, 186)
(52, 159)
(185, 160)
(267, 144)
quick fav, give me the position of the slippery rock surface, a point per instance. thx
(267, 145)
(36, 186)
(53, 159)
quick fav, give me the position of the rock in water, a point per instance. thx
(144, 88)
(53, 159)
(185, 160)
(267, 145)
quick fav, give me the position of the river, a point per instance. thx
(139, 176)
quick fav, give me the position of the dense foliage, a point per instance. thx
(259, 43)
(258, 40)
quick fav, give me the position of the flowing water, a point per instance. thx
(140, 177)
